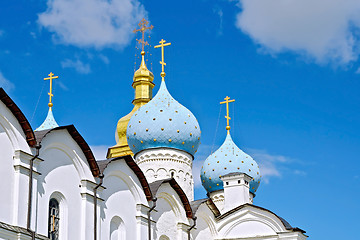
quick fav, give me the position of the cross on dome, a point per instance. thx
(162, 62)
(227, 101)
(51, 77)
(49, 122)
(143, 27)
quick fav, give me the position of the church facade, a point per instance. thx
(53, 187)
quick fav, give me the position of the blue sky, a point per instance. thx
(292, 66)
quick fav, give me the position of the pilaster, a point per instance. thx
(21, 188)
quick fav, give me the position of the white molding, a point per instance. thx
(163, 163)
(22, 162)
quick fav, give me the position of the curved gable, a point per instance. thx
(40, 135)
(24, 123)
(135, 168)
(154, 187)
(226, 217)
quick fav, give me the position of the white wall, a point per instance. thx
(170, 216)
(62, 176)
(250, 222)
(11, 138)
(6, 176)
(205, 224)
(122, 197)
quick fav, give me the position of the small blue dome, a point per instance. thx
(227, 159)
(163, 122)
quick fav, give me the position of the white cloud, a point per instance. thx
(5, 83)
(92, 23)
(33, 34)
(62, 85)
(322, 30)
(78, 65)
(104, 58)
(99, 151)
(300, 172)
(269, 164)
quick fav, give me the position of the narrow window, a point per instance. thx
(53, 229)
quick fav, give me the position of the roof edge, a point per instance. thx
(283, 221)
(184, 199)
(24, 123)
(80, 141)
(136, 169)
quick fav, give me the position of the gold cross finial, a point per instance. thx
(51, 77)
(227, 101)
(142, 24)
(162, 62)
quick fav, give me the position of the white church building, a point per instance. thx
(53, 187)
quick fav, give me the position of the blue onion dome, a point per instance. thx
(163, 122)
(227, 159)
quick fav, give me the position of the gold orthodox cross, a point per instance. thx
(51, 77)
(142, 24)
(227, 101)
(162, 62)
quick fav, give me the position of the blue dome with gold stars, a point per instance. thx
(163, 122)
(227, 159)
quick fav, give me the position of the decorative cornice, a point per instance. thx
(152, 155)
(22, 162)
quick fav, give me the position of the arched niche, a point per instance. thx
(117, 229)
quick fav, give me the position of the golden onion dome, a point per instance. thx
(143, 85)
(143, 73)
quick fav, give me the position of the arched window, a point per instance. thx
(117, 229)
(53, 228)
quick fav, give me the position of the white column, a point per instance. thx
(236, 190)
(141, 221)
(87, 211)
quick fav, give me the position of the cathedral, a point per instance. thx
(53, 187)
